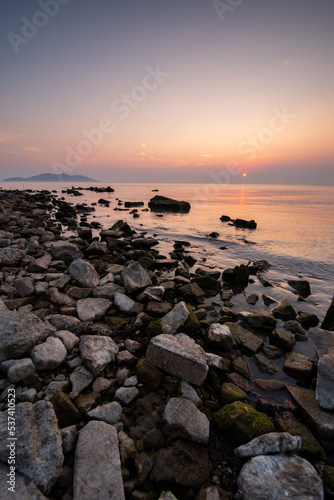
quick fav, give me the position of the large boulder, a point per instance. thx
(163, 204)
(38, 444)
(84, 273)
(276, 477)
(19, 333)
(179, 356)
(97, 465)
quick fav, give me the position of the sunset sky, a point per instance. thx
(168, 91)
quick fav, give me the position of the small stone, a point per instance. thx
(298, 365)
(284, 311)
(221, 334)
(24, 286)
(265, 365)
(97, 352)
(230, 393)
(307, 320)
(302, 287)
(126, 305)
(283, 339)
(101, 384)
(109, 413)
(84, 273)
(69, 437)
(69, 340)
(325, 381)
(67, 413)
(80, 379)
(186, 391)
(252, 299)
(126, 395)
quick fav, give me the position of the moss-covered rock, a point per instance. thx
(241, 423)
(170, 324)
(230, 393)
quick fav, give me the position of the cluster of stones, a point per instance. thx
(127, 388)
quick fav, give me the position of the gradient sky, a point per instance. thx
(181, 90)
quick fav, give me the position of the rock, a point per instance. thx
(38, 448)
(158, 309)
(307, 320)
(3, 307)
(240, 422)
(49, 355)
(328, 322)
(61, 322)
(265, 365)
(298, 365)
(69, 437)
(22, 487)
(92, 309)
(184, 420)
(325, 382)
(179, 357)
(84, 273)
(221, 335)
(322, 340)
(183, 464)
(126, 394)
(148, 374)
(267, 300)
(67, 413)
(238, 276)
(274, 442)
(213, 493)
(143, 466)
(109, 413)
(186, 391)
(108, 291)
(225, 218)
(250, 342)
(162, 204)
(97, 248)
(270, 385)
(126, 305)
(135, 277)
(97, 352)
(302, 287)
(10, 256)
(80, 379)
(19, 333)
(65, 250)
(230, 393)
(180, 316)
(252, 299)
(263, 320)
(40, 265)
(284, 311)
(283, 339)
(152, 293)
(20, 369)
(282, 476)
(191, 293)
(68, 339)
(311, 448)
(321, 421)
(97, 465)
(24, 286)
(167, 495)
(251, 224)
(59, 299)
(210, 285)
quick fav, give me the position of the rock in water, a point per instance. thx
(328, 323)
(97, 466)
(163, 204)
(278, 477)
(38, 450)
(301, 286)
(19, 333)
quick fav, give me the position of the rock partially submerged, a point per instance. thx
(163, 204)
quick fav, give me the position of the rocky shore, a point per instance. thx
(132, 371)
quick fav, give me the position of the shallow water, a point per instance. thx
(294, 233)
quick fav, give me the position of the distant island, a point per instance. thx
(51, 178)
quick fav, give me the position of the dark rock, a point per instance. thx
(284, 311)
(307, 320)
(67, 414)
(245, 223)
(225, 218)
(302, 287)
(183, 464)
(328, 322)
(132, 204)
(163, 204)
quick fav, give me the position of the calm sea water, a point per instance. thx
(295, 230)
